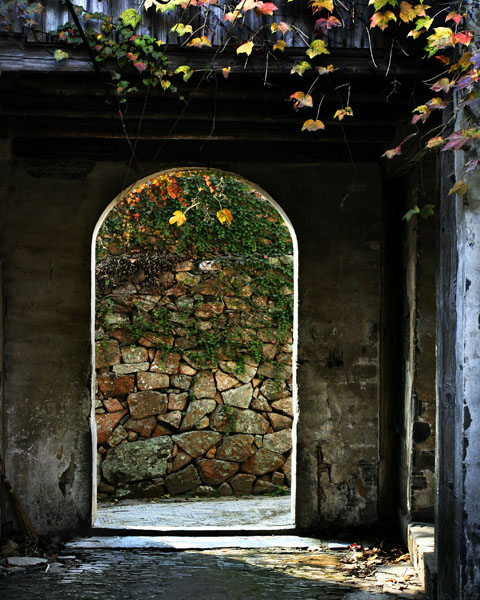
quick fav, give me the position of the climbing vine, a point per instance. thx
(139, 60)
(243, 263)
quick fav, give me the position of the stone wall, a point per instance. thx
(171, 421)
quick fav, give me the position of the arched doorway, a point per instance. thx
(194, 304)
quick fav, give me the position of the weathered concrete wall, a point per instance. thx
(458, 388)
(417, 419)
(47, 223)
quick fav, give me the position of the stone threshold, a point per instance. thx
(196, 532)
(421, 546)
(191, 542)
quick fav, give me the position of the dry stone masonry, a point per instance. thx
(171, 422)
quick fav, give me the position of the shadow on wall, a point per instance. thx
(193, 340)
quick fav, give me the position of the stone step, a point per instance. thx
(421, 545)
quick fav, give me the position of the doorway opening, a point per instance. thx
(194, 411)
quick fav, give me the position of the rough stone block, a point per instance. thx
(173, 418)
(239, 397)
(214, 472)
(112, 404)
(183, 481)
(111, 385)
(285, 406)
(196, 443)
(264, 461)
(136, 354)
(280, 441)
(106, 423)
(177, 401)
(131, 368)
(204, 385)
(279, 421)
(224, 381)
(152, 381)
(274, 390)
(263, 487)
(242, 484)
(181, 460)
(119, 434)
(261, 404)
(196, 410)
(107, 353)
(244, 375)
(238, 420)
(182, 382)
(146, 459)
(144, 404)
(166, 363)
(237, 448)
(143, 427)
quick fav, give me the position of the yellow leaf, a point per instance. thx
(317, 47)
(319, 4)
(199, 42)
(280, 45)
(381, 19)
(343, 112)
(311, 125)
(181, 29)
(178, 217)
(460, 188)
(225, 216)
(245, 48)
(436, 141)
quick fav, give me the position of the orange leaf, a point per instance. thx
(225, 216)
(301, 100)
(226, 72)
(280, 45)
(311, 125)
(407, 12)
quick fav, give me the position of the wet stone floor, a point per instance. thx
(217, 573)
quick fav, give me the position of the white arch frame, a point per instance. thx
(293, 236)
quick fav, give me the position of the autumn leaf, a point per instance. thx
(232, 16)
(282, 27)
(301, 68)
(423, 24)
(225, 216)
(181, 29)
(381, 19)
(421, 10)
(445, 60)
(325, 70)
(460, 188)
(317, 47)
(130, 18)
(186, 70)
(442, 85)
(245, 48)
(317, 5)
(301, 100)
(325, 24)
(413, 211)
(60, 55)
(407, 12)
(226, 72)
(434, 142)
(454, 16)
(178, 217)
(393, 152)
(140, 66)
(199, 42)
(443, 37)
(464, 38)
(280, 45)
(378, 4)
(246, 5)
(265, 8)
(343, 112)
(311, 125)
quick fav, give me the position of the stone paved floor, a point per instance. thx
(202, 514)
(236, 574)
